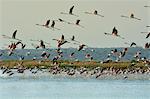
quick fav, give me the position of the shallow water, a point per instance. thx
(48, 87)
(98, 53)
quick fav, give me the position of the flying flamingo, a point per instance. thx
(147, 45)
(114, 33)
(45, 25)
(81, 46)
(131, 16)
(61, 41)
(76, 23)
(70, 12)
(62, 20)
(13, 36)
(94, 13)
(53, 24)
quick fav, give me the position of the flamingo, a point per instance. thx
(114, 33)
(76, 23)
(133, 44)
(42, 45)
(131, 16)
(94, 13)
(147, 45)
(45, 25)
(13, 36)
(70, 12)
(36, 46)
(81, 47)
(73, 39)
(61, 41)
(53, 24)
(61, 20)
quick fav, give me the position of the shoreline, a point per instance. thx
(75, 69)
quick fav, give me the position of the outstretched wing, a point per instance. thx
(53, 24)
(47, 22)
(148, 35)
(71, 10)
(77, 22)
(62, 37)
(14, 34)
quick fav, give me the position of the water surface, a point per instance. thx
(72, 88)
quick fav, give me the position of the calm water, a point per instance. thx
(98, 53)
(72, 88)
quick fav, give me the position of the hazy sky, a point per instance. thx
(24, 14)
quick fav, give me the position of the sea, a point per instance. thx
(98, 54)
(72, 88)
(61, 87)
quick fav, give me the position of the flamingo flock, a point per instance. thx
(51, 24)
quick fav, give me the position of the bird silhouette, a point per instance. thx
(53, 24)
(13, 36)
(77, 23)
(61, 41)
(45, 25)
(94, 13)
(147, 45)
(70, 12)
(114, 33)
(148, 35)
(131, 16)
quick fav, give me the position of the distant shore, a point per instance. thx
(74, 64)
(76, 68)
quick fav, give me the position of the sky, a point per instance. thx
(22, 15)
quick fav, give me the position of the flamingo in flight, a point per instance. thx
(61, 20)
(132, 16)
(148, 34)
(61, 41)
(147, 45)
(73, 39)
(42, 45)
(39, 41)
(94, 13)
(45, 25)
(81, 46)
(114, 33)
(53, 24)
(37, 46)
(13, 36)
(70, 12)
(132, 44)
(77, 23)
